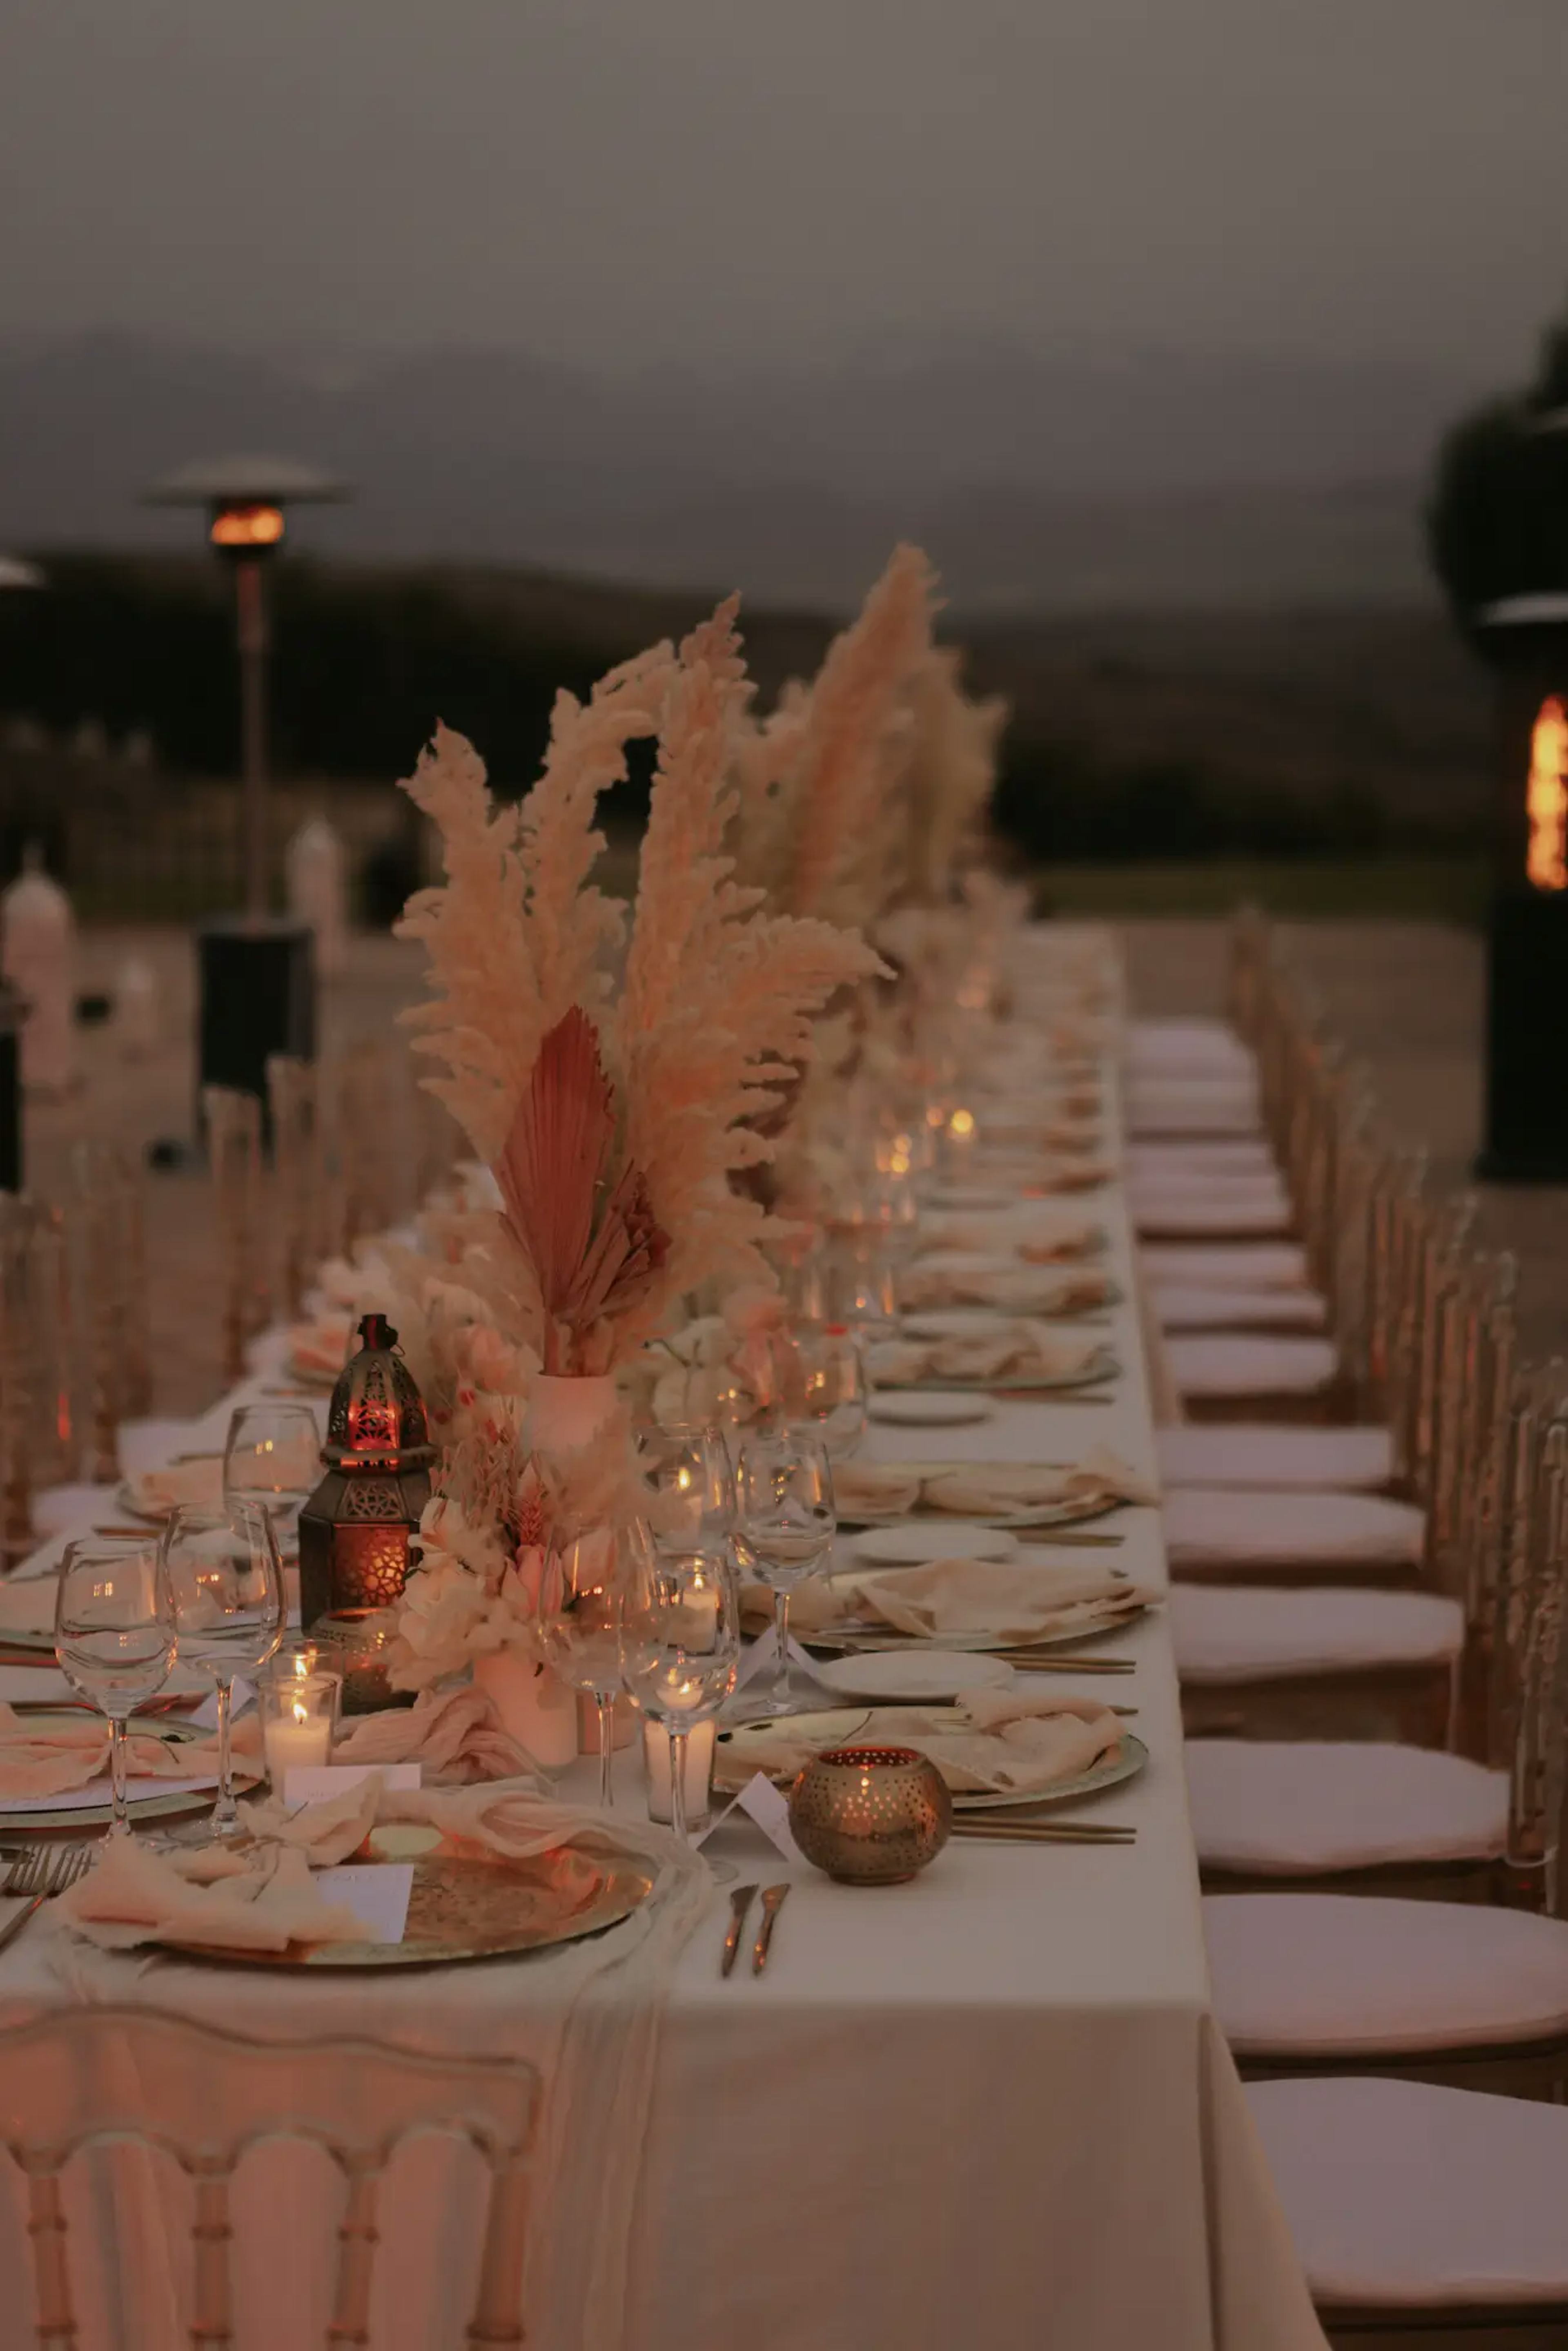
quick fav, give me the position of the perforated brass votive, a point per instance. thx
(871, 1815)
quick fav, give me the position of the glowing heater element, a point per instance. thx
(1546, 798)
(246, 526)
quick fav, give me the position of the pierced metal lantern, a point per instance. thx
(354, 1531)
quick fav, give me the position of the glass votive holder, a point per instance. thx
(697, 1782)
(298, 1722)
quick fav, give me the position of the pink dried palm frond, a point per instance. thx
(720, 998)
(482, 1021)
(847, 762)
(516, 934)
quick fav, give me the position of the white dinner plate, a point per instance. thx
(914, 1541)
(918, 1675)
(929, 1407)
(841, 1727)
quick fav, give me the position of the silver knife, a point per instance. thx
(772, 1903)
(739, 1904)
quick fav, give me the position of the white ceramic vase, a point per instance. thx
(534, 1706)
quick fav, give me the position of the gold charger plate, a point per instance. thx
(1069, 1512)
(839, 1726)
(464, 1906)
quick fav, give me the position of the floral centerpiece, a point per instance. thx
(614, 1121)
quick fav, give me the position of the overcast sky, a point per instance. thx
(614, 180)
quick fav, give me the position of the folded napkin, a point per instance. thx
(255, 1902)
(455, 1735)
(1017, 1352)
(876, 1489)
(997, 1488)
(1011, 1601)
(1039, 1235)
(197, 1485)
(972, 1278)
(997, 1742)
(316, 1349)
(43, 1757)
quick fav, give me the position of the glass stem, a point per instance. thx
(226, 1813)
(606, 1751)
(678, 1785)
(782, 1636)
(121, 1823)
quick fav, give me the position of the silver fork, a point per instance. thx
(38, 1875)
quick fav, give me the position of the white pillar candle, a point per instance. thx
(296, 1740)
(696, 1777)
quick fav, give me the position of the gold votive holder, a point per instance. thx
(871, 1815)
(355, 1643)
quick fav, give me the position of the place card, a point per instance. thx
(318, 1783)
(377, 1892)
(762, 1803)
(763, 1653)
(205, 1716)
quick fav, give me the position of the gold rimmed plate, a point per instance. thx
(470, 1905)
(842, 1724)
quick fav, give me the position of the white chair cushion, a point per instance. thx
(1210, 1047)
(1296, 1808)
(1172, 1162)
(1200, 1307)
(1218, 1364)
(1340, 1975)
(1233, 1633)
(1241, 1265)
(1223, 1527)
(1411, 2196)
(1265, 1456)
(1175, 1110)
(1177, 1215)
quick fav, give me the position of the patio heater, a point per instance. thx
(256, 986)
(1526, 1135)
(14, 574)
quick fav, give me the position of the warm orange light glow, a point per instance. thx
(961, 1122)
(1546, 798)
(248, 526)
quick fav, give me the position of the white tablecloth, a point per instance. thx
(992, 2106)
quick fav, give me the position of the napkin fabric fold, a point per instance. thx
(997, 1742)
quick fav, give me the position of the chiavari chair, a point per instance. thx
(85, 2079)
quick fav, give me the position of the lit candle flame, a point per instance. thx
(1546, 798)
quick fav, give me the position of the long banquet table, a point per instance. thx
(988, 2106)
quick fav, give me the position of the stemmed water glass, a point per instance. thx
(115, 1638)
(687, 1469)
(273, 1455)
(225, 1581)
(680, 1647)
(834, 1388)
(787, 1521)
(583, 1585)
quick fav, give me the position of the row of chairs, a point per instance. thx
(1367, 1516)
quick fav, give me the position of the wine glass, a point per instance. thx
(115, 1638)
(582, 1587)
(833, 1386)
(687, 1467)
(788, 1521)
(273, 1455)
(227, 1582)
(680, 1647)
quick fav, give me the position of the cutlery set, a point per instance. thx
(741, 1901)
(38, 1874)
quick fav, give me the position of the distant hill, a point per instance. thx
(1040, 483)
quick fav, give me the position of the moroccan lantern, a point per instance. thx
(355, 1531)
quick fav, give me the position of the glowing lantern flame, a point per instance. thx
(1546, 798)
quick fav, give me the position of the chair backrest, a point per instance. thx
(93, 2077)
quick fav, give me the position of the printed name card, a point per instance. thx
(762, 1803)
(376, 1892)
(318, 1783)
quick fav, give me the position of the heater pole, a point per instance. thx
(250, 602)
